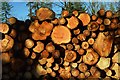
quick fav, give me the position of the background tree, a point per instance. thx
(5, 11)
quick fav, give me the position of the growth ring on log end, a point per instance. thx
(44, 14)
(61, 34)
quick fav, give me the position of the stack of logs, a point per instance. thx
(73, 46)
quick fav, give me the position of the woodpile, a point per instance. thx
(74, 46)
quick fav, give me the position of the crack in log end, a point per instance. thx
(103, 44)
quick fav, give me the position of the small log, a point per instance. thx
(85, 18)
(55, 21)
(115, 58)
(44, 14)
(33, 56)
(91, 41)
(66, 63)
(85, 45)
(48, 65)
(86, 32)
(113, 26)
(82, 67)
(61, 21)
(44, 54)
(72, 22)
(6, 44)
(53, 74)
(81, 37)
(12, 20)
(75, 72)
(107, 21)
(49, 70)
(42, 61)
(65, 13)
(69, 46)
(102, 27)
(108, 72)
(105, 63)
(33, 26)
(103, 44)
(94, 72)
(93, 17)
(56, 54)
(76, 31)
(37, 36)
(81, 51)
(91, 57)
(75, 40)
(99, 21)
(108, 14)
(74, 65)
(114, 20)
(70, 56)
(5, 58)
(50, 47)
(56, 68)
(61, 34)
(39, 47)
(81, 76)
(93, 35)
(13, 33)
(50, 60)
(101, 12)
(29, 43)
(77, 47)
(26, 52)
(4, 28)
(75, 13)
(87, 74)
(93, 26)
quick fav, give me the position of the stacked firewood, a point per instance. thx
(74, 46)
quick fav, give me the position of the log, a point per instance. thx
(33, 56)
(82, 67)
(50, 47)
(26, 52)
(65, 13)
(61, 34)
(93, 35)
(101, 12)
(93, 17)
(75, 72)
(81, 76)
(77, 47)
(81, 37)
(29, 43)
(5, 58)
(76, 31)
(115, 58)
(39, 47)
(87, 74)
(69, 46)
(91, 41)
(44, 14)
(66, 63)
(72, 22)
(85, 18)
(103, 44)
(56, 54)
(74, 65)
(99, 20)
(85, 45)
(113, 26)
(107, 22)
(86, 32)
(70, 56)
(44, 54)
(102, 27)
(61, 21)
(81, 51)
(93, 26)
(75, 40)
(6, 44)
(4, 28)
(49, 70)
(91, 57)
(108, 14)
(105, 63)
(75, 13)
(53, 74)
(12, 20)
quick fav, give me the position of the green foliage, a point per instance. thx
(5, 11)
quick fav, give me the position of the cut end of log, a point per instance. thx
(4, 28)
(61, 34)
(44, 14)
(85, 18)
